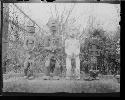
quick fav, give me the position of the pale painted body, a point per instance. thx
(72, 49)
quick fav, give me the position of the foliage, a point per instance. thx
(109, 59)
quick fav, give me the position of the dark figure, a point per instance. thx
(52, 64)
(6, 63)
(28, 68)
(4, 67)
(52, 45)
(52, 68)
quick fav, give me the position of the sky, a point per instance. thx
(105, 14)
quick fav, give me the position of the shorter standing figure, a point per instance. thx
(93, 58)
(28, 67)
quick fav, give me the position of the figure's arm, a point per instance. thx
(66, 44)
(32, 64)
(77, 50)
(25, 64)
(78, 44)
(47, 43)
(47, 48)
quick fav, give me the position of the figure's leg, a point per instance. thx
(47, 71)
(26, 65)
(31, 71)
(77, 69)
(30, 74)
(47, 67)
(68, 66)
(25, 71)
(56, 69)
(47, 74)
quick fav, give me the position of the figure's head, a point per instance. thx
(53, 25)
(53, 58)
(29, 43)
(73, 33)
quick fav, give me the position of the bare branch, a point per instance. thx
(51, 12)
(69, 13)
(57, 15)
(62, 16)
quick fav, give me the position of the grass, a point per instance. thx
(40, 86)
(100, 87)
(16, 87)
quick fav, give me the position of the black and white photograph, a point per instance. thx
(61, 47)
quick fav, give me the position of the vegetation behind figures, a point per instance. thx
(93, 53)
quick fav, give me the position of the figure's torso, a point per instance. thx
(72, 47)
(53, 41)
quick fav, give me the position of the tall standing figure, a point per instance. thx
(72, 50)
(53, 47)
(29, 45)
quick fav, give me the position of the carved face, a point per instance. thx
(53, 26)
(30, 44)
(72, 35)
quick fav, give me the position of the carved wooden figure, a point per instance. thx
(72, 50)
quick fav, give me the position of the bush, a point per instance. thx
(94, 73)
